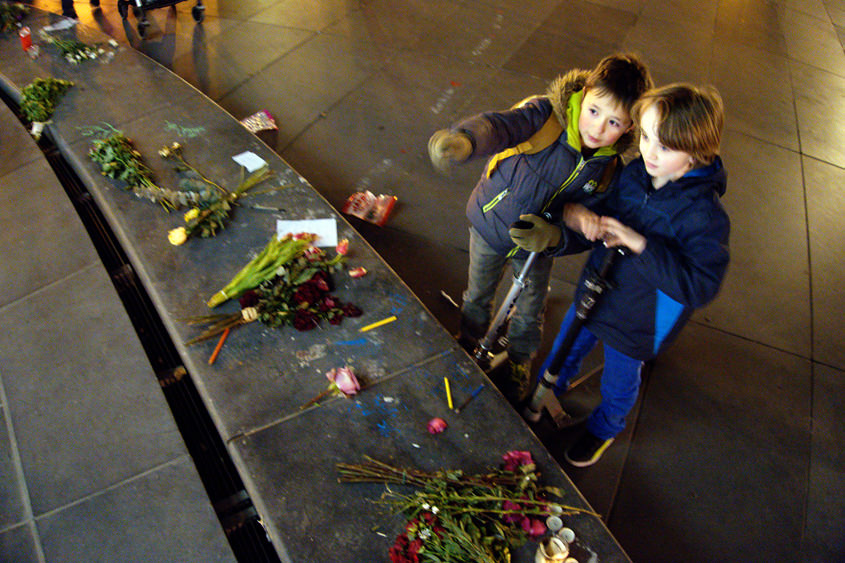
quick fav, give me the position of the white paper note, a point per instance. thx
(250, 161)
(325, 229)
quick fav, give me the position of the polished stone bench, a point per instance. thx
(253, 392)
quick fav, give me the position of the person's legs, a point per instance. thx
(620, 384)
(581, 346)
(67, 9)
(525, 330)
(485, 271)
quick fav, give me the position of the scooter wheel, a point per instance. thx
(198, 12)
(123, 8)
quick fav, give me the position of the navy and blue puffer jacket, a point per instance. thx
(518, 181)
(681, 269)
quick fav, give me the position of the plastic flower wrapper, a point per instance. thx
(453, 516)
(342, 381)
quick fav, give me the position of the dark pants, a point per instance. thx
(67, 9)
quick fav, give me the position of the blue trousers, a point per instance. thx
(620, 380)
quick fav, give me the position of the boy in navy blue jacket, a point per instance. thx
(562, 147)
(666, 211)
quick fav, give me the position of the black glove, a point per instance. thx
(537, 238)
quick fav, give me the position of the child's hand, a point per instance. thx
(537, 238)
(615, 233)
(582, 220)
(446, 148)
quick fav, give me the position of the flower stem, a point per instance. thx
(317, 398)
(200, 174)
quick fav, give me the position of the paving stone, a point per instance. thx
(112, 421)
(161, 515)
(15, 149)
(731, 481)
(12, 511)
(39, 221)
(17, 544)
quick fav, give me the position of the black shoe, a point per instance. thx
(468, 343)
(586, 450)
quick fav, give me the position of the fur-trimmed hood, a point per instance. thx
(561, 89)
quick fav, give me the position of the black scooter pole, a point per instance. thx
(595, 285)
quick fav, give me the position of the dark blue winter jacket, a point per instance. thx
(681, 269)
(518, 180)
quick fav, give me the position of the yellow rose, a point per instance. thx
(177, 236)
(192, 214)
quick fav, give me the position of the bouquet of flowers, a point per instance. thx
(74, 50)
(39, 99)
(120, 160)
(288, 283)
(456, 517)
(210, 203)
(211, 213)
(11, 14)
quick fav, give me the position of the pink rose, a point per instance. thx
(345, 380)
(342, 247)
(534, 528)
(436, 425)
(514, 460)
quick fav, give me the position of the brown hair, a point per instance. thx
(623, 76)
(690, 119)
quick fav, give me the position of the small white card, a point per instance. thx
(250, 161)
(325, 229)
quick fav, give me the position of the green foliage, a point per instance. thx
(454, 517)
(40, 97)
(11, 14)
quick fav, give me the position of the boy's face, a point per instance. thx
(662, 163)
(603, 120)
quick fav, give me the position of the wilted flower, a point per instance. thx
(357, 272)
(436, 425)
(533, 527)
(515, 459)
(342, 247)
(177, 236)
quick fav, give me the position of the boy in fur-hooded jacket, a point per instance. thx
(564, 146)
